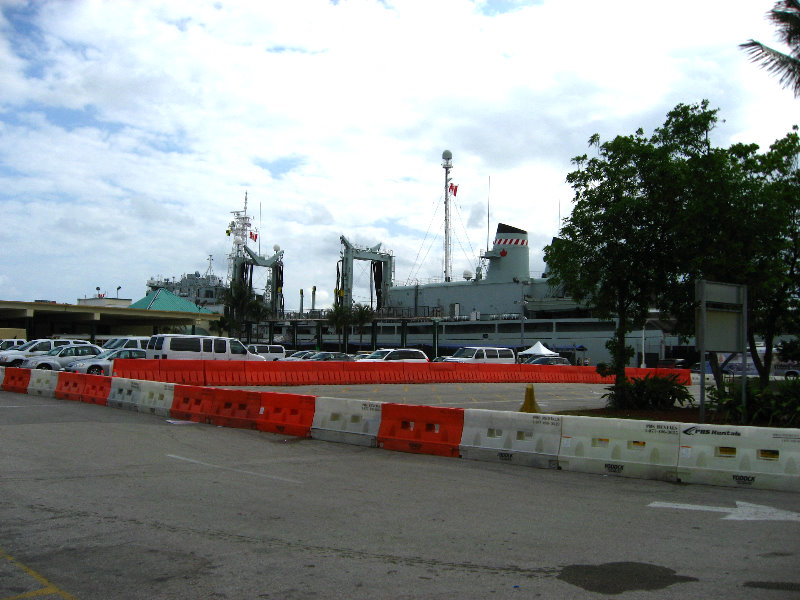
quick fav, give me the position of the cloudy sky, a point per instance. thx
(130, 130)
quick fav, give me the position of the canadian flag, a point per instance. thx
(453, 189)
(254, 236)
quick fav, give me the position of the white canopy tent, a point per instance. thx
(538, 349)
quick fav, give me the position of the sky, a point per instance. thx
(130, 130)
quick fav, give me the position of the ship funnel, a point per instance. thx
(509, 258)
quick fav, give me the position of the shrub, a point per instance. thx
(776, 405)
(656, 392)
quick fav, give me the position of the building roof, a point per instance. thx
(165, 300)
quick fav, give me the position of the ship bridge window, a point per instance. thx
(585, 326)
(529, 327)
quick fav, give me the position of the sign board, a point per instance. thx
(720, 318)
(720, 326)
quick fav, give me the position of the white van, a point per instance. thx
(197, 347)
(11, 344)
(268, 351)
(133, 341)
(479, 354)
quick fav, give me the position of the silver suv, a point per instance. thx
(397, 355)
(15, 357)
(59, 357)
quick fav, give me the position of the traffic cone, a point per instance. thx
(530, 406)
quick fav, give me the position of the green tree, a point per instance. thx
(786, 16)
(362, 314)
(339, 317)
(652, 216)
(242, 308)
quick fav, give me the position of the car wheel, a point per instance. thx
(94, 370)
(791, 375)
(15, 363)
(45, 367)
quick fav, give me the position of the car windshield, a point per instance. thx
(27, 345)
(379, 353)
(464, 353)
(113, 343)
(55, 351)
(106, 353)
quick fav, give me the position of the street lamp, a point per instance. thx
(119, 287)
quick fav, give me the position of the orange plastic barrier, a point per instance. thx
(96, 389)
(418, 373)
(391, 372)
(16, 380)
(290, 414)
(234, 408)
(358, 373)
(70, 386)
(192, 402)
(137, 368)
(188, 372)
(467, 373)
(259, 372)
(296, 372)
(421, 429)
(443, 372)
(225, 372)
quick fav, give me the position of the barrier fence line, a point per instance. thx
(727, 455)
(527, 439)
(287, 373)
(624, 447)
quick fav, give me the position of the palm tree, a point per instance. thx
(786, 16)
(362, 314)
(339, 316)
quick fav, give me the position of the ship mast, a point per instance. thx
(447, 164)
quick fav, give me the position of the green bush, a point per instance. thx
(777, 405)
(656, 392)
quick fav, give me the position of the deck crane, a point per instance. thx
(382, 273)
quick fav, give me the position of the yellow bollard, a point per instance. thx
(530, 406)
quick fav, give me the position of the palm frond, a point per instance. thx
(785, 66)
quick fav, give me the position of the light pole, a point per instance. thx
(521, 303)
(447, 164)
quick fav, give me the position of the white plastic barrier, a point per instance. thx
(43, 383)
(125, 393)
(155, 397)
(750, 457)
(624, 447)
(528, 439)
(348, 421)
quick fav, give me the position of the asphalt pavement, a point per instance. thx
(102, 503)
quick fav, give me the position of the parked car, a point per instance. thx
(11, 344)
(397, 355)
(59, 357)
(18, 355)
(477, 354)
(197, 347)
(548, 360)
(134, 341)
(103, 363)
(331, 356)
(268, 351)
(671, 363)
(301, 355)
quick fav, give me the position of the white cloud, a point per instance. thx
(129, 130)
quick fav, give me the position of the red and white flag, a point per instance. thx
(453, 189)
(254, 236)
